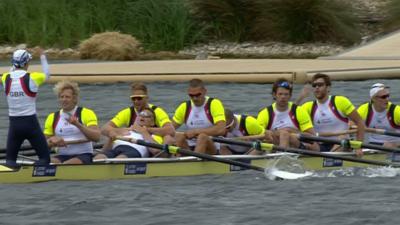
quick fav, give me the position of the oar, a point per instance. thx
(26, 153)
(348, 143)
(269, 147)
(28, 148)
(323, 134)
(379, 131)
(173, 149)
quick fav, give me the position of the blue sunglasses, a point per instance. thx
(285, 84)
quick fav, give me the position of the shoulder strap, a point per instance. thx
(153, 107)
(370, 113)
(132, 118)
(333, 107)
(188, 110)
(24, 80)
(55, 120)
(271, 116)
(78, 114)
(7, 87)
(391, 116)
(314, 107)
(208, 110)
(293, 115)
(242, 125)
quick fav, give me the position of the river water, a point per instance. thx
(344, 197)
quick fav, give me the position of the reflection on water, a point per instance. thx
(107, 100)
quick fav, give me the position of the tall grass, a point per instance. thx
(299, 21)
(60, 23)
(161, 24)
(225, 19)
(174, 24)
(392, 20)
(295, 21)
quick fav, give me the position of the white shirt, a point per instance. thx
(282, 120)
(144, 152)
(381, 121)
(70, 132)
(326, 121)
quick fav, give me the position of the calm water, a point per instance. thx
(242, 198)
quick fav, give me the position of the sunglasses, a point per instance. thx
(285, 84)
(145, 114)
(317, 84)
(195, 95)
(384, 96)
(137, 98)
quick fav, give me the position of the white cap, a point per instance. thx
(376, 88)
(20, 58)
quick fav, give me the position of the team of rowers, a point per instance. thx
(73, 128)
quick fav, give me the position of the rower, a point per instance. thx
(203, 116)
(139, 131)
(239, 126)
(71, 123)
(330, 113)
(128, 116)
(21, 88)
(380, 113)
(283, 118)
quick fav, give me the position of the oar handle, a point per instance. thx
(79, 141)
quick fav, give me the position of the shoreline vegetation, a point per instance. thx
(192, 29)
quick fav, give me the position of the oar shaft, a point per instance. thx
(332, 156)
(323, 134)
(30, 148)
(266, 147)
(348, 143)
(235, 142)
(192, 153)
(379, 131)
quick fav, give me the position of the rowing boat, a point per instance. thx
(165, 167)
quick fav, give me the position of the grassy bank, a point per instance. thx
(171, 25)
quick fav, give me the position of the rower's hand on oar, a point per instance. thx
(113, 135)
(268, 136)
(56, 142)
(359, 152)
(189, 134)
